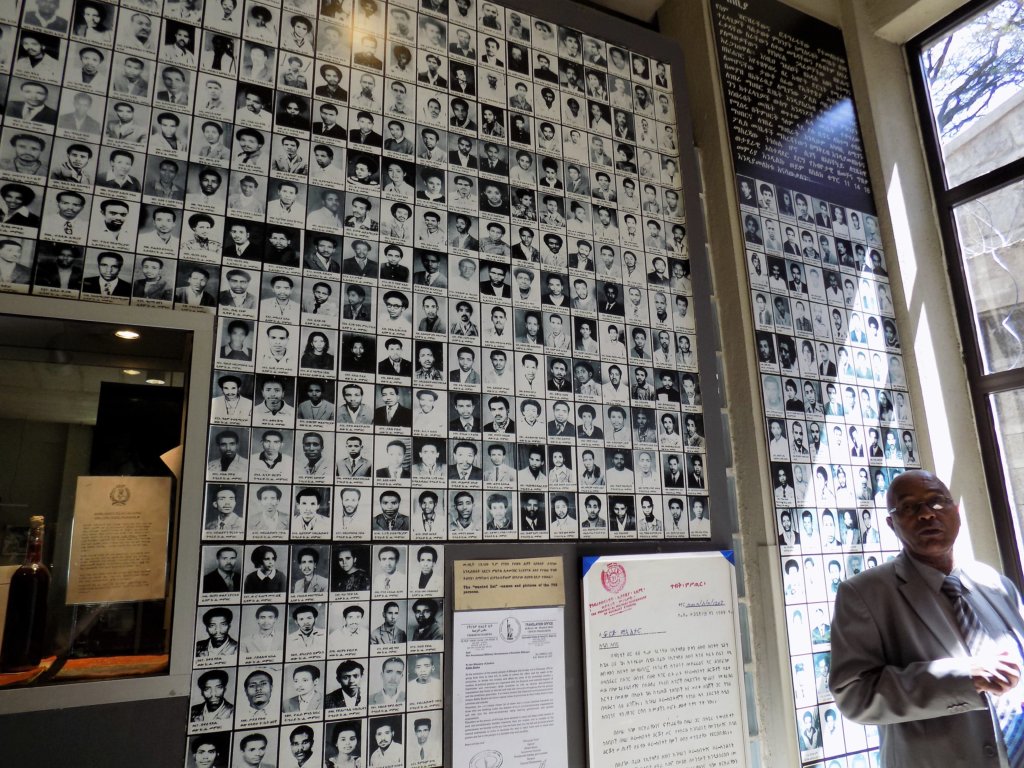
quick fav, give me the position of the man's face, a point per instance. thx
(388, 560)
(428, 454)
(33, 95)
(304, 683)
(535, 460)
(465, 358)
(209, 183)
(307, 565)
(641, 420)
(114, 216)
(312, 449)
(383, 736)
(28, 151)
(151, 270)
(389, 504)
(351, 681)
(109, 267)
(301, 743)
(217, 629)
(90, 62)
(828, 529)
(271, 445)
(205, 756)
(396, 455)
(424, 613)
(258, 690)
(464, 509)
(237, 338)
(228, 449)
(181, 38)
(213, 693)
(279, 337)
(424, 668)
(422, 734)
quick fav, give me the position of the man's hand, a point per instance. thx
(995, 674)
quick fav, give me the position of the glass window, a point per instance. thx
(1008, 412)
(990, 232)
(968, 74)
(974, 75)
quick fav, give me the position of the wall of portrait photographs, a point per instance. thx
(837, 418)
(835, 404)
(445, 249)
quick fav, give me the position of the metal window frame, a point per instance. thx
(947, 199)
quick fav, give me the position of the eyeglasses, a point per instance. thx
(936, 503)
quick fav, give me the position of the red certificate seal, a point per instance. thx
(613, 578)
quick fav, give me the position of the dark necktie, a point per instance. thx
(1011, 720)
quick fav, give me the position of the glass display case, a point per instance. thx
(95, 414)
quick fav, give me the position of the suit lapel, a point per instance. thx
(984, 589)
(923, 602)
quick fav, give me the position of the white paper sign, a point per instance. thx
(119, 540)
(510, 681)
(664, 672)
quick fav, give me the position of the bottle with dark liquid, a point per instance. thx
(25, 625)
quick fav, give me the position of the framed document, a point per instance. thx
(664, 674)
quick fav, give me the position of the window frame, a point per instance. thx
(947, 199)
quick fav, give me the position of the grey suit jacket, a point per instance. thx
(898, 662)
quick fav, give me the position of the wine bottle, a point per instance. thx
(25, 626)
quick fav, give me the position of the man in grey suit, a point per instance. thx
(928, 648)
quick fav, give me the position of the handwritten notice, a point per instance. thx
(664, 674)
(519, 583)
(119, 540)
(510, 677)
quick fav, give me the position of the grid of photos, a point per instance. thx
(444, 247)
(318, 653)
(838, 420)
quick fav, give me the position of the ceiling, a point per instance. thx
(896, 21)
(642, 10)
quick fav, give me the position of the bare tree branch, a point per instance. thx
(966, 69)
